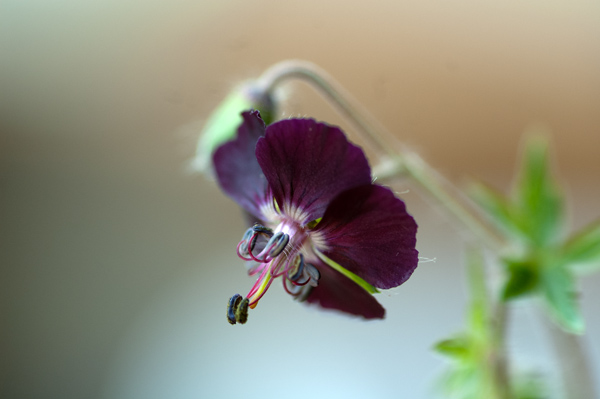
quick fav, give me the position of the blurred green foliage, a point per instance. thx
(541, 261)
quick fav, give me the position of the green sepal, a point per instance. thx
(221, 126)
(313, 224)
(358, 280)
(538, 200)
(523, 278)
(582, 251)
(496, 205)
(559, 293)
(458, 347)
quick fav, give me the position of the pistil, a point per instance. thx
(278, 254)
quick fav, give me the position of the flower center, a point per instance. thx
(272, 254)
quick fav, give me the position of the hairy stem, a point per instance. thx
(496, 383)
(451, 199)
(397, 159)
(332, 90)
(578, 382)
(400, 161)
(499, 364)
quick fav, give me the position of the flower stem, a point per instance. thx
(571, 358)
(495, 382)
(499, 361)
(397, 159)
(331, 89)
(450, 198)
(400, 161)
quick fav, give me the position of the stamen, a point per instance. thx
(249, 240)
(232, 307)
(246, 253)
(274, 247)
(314, 274)
(254, 258)
(269, 254)
(259, 228)
(241, 313)
(254, 268)
(247, 234)
(252, 242)
(242, 250)
(301, 283)
(277, 265)
(299, 267)
(299, 291)
(277, 244)
(242, 247)
(294, 290)
(260, 287)
(303, 293)
(306, 273)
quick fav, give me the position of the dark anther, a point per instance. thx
(244, 243)
(241, 313)
(259, 228)
(300, 268)
(278, 243)
(232, 306)
(313, 272)
(254, 238)
(247, 234)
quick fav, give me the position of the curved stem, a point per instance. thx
(402, 161)
(399, 159)
(453, 200)
(332, 90)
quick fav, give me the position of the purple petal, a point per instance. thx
(237, 170)
(368, 231)
(307, 164)
(336, 291)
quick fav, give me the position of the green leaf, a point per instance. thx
(537, 196)
(522, 279)
(495, 204)
(457, 347)
(558, 288)
(582, 251)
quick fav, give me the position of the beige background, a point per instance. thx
(116, 263)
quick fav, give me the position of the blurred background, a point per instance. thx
(116, 263)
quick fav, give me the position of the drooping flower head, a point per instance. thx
(320, 224)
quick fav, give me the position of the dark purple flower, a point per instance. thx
(332, 235)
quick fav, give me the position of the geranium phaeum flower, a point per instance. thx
(322, 226)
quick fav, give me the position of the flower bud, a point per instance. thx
(221, 126)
